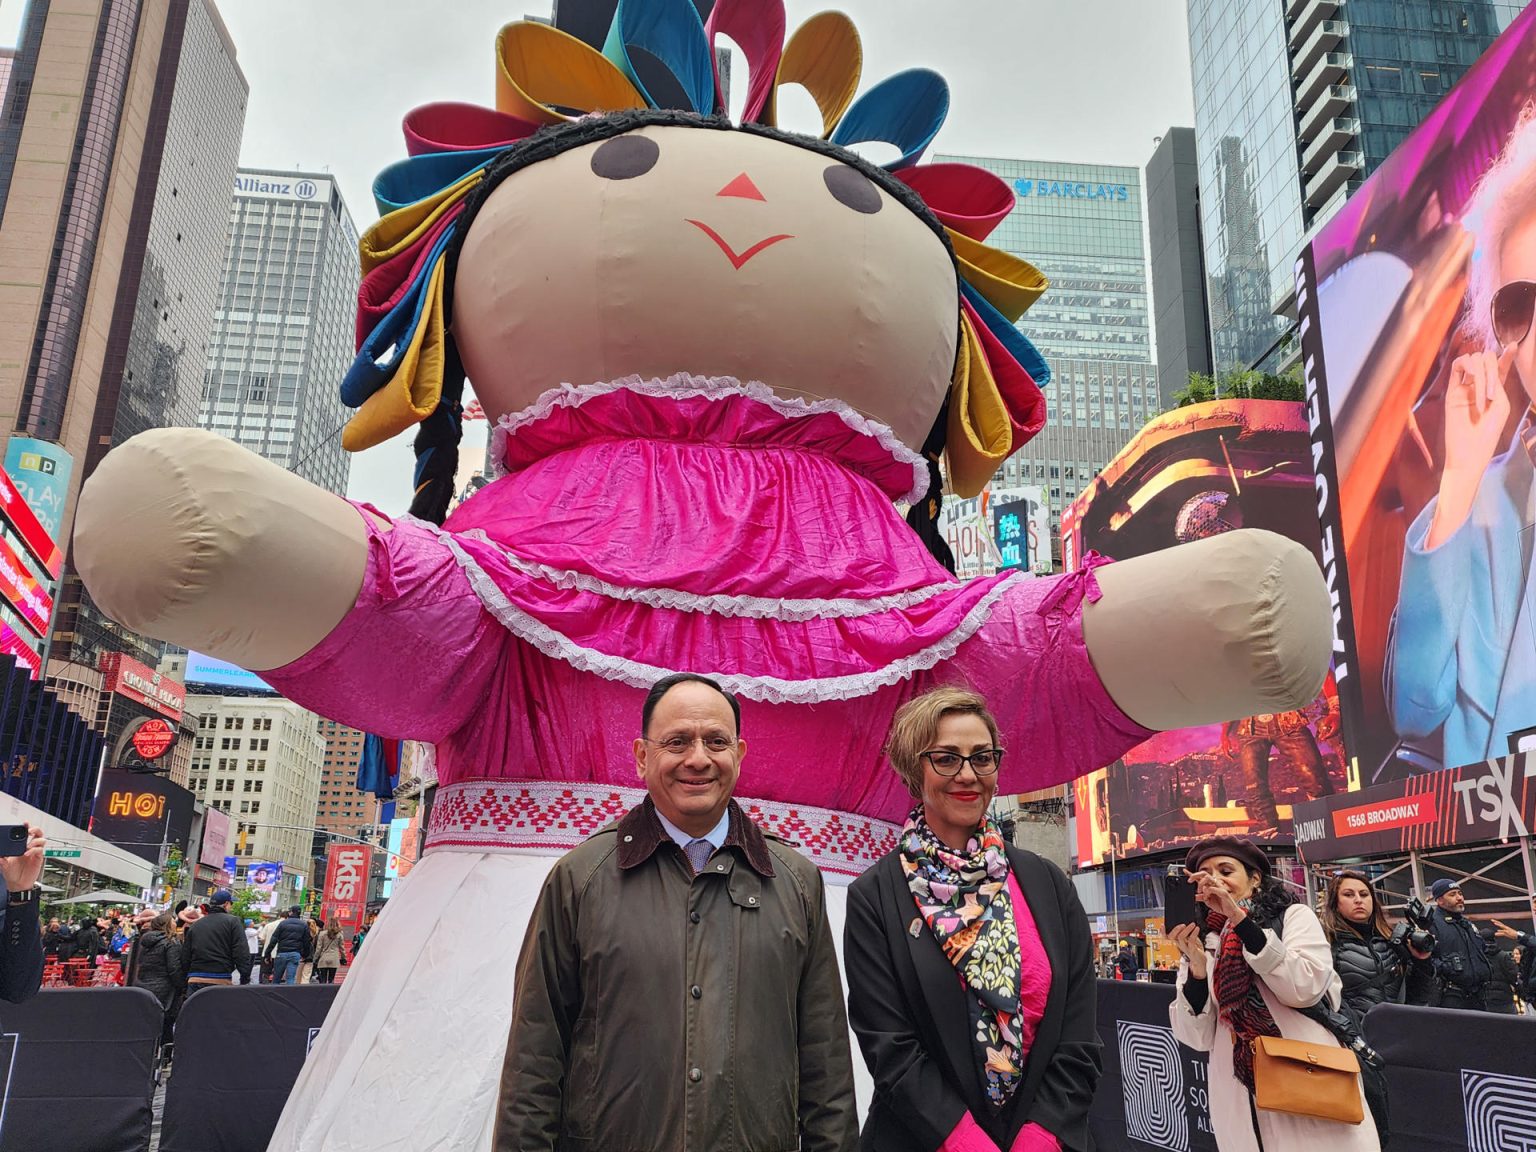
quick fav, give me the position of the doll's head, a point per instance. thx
(581, 233)
(650, 243)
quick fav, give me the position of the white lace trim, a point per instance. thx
(684, 385)
(757, 607)
(768, 689)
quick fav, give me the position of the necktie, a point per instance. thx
(698, 853)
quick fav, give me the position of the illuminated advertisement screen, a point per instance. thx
(1191, 474)
(1415, 306)
(205, 671)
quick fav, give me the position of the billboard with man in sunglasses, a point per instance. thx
(1415, 305)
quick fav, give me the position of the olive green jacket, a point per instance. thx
(659, 1011)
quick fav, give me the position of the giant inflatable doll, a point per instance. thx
(720, 358)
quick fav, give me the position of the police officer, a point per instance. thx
(1461, 962)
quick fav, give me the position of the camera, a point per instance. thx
(1415, 929)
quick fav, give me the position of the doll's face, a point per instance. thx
(676, 249)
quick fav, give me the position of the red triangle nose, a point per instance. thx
(742, 186)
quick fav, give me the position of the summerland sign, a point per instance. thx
(1493, 800)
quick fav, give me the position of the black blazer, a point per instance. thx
(909, 1011)
(21, 951)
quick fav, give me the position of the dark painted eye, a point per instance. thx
(851, 187)
(625, 157)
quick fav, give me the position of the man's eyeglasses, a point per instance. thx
(983, 763)
(1512, 309)
(682, 745)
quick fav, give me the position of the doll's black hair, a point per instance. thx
(437, 438)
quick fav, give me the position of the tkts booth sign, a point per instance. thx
(1494, 800)
(346, 885)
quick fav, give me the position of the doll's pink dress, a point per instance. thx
(643, 527)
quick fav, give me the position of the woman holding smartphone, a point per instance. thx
(1259, 960)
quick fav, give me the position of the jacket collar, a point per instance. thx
(641, 833)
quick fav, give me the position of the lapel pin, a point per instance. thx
(915, 929)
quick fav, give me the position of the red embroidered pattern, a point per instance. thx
(555, 816)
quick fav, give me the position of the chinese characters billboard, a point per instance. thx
(1415, 306)
(1000, 529)
(1190, 474)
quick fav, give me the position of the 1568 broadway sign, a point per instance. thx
(1492, 800)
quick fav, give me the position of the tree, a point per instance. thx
(173, 872)
(1241, 384)
(248, 904)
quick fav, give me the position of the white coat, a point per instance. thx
(1294, 972)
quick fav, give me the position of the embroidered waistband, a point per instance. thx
(553, 816)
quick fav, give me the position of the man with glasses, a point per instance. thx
(677, 986)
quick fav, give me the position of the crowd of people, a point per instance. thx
(175, 951)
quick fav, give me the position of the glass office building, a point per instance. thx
(1296, 103)
(283, 331)
(1081, 225)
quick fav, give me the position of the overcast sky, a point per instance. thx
(1084, 80)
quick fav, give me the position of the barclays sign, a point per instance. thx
(1071, 190)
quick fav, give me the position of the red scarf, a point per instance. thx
(1236, 987)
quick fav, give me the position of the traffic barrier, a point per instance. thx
(238, 1052)
(1458, 1081)
(77, 1066)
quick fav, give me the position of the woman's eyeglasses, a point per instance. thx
(1512, 310)
(983, 763)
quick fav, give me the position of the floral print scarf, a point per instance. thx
(964, 901)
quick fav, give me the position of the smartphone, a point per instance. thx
(1179, 905)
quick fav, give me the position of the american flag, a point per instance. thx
(473, 411)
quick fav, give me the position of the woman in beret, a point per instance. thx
(1256, 965)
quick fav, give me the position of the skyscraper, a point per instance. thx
(118, 143)
(1081, 225)
(1296, 103)
(1178, 263)
(282, 334)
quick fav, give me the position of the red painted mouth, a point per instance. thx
(737, 259)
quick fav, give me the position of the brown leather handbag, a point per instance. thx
(1307, 1079)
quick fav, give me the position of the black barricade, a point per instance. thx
(1153, 1093)
(1458, 1080)
(78, 1070)
(238, 1052)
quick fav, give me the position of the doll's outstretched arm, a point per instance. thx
(189, 538)
(1233, 626)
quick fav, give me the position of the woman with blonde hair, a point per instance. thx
(969, 962)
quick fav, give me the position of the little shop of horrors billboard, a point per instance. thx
(1415, 306)
(1190, 474)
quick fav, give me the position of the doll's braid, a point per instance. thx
(437, 443)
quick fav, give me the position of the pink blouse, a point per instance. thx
(1034, 987)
